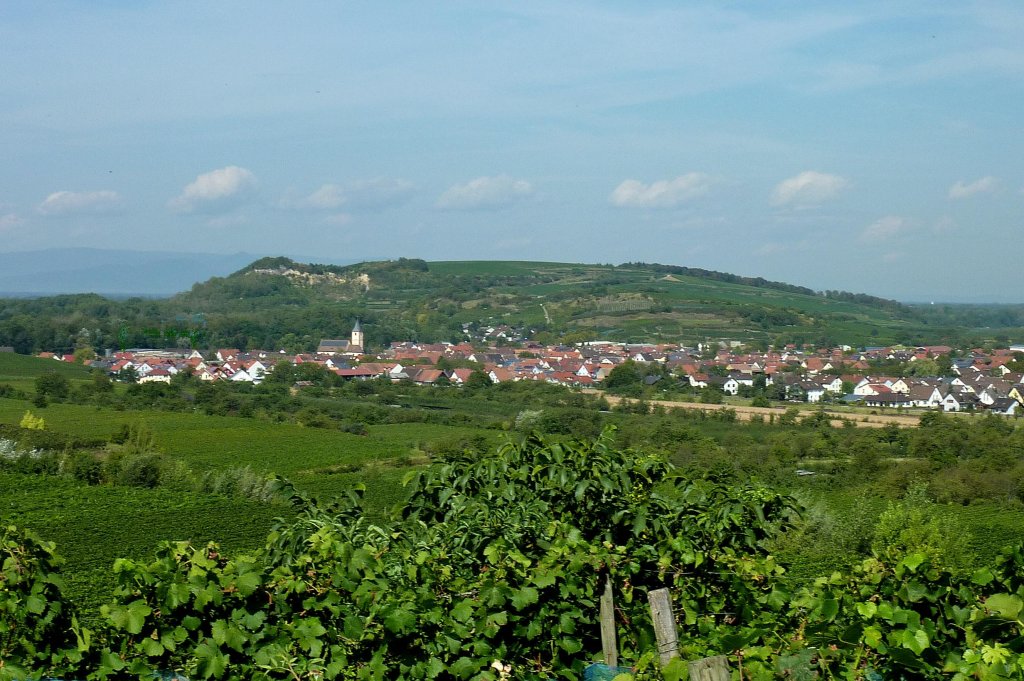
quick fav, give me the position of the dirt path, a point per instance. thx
(746, 413)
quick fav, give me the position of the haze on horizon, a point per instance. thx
(873, 147)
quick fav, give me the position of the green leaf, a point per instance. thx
(247, 583)
(152, 647)
(873, 637)
(996, 654)
(177, 594)
(982, 577)
(675, 670)
(254, 620)
(35, 604)
(915, 640)
(914, 560)
(1005, 605)
(400, 621)
(227, 634)
(109, 660)
(916, 591)
(570, 645)
(463, 610)
(524, 597)
(353, 627)
(542, 579)
(211, 662)
(131, 617)
(867, 609)
(464, 667)
(434, 668)
(829, 608)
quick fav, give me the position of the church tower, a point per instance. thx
(357, 334)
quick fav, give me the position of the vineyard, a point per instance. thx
(501, 557)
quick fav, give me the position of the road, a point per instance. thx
(746, 413)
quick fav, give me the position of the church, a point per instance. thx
(353, 346)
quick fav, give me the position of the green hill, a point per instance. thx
(21, 366)
(279, 303)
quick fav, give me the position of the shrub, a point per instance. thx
(31, 422)
(141, 470)
(85, 467)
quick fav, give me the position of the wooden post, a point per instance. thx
(664, 625)
(608, 643)
(710, 669)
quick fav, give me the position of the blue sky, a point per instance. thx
(871, 146)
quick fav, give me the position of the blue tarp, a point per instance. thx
(602, 672)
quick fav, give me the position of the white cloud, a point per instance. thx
(67, 203)
(660, 194)
(484, 192)
(214, 188)
(965, 190)
(9, 221)
(884, 228)
(369, 194)
(327, 197)
(808, 187)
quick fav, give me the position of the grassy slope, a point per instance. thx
(20, 366)
(700, 306)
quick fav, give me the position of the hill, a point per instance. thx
(280, 303)
(20, 366)
(409, 298)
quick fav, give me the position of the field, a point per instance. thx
(93, 525)
(22, 366)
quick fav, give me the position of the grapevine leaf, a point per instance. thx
(400, 621)
(1005, 605)
(524, 597)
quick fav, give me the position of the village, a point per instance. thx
(979, 380)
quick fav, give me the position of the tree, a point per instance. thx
(923, 367)
(84, 354)
(128, 374)
(478, 380)
(53, 385)
(625, 377)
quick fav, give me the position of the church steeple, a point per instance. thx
(357, 334)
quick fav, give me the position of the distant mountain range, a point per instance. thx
(114, 272)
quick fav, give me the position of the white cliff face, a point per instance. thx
(310, 279)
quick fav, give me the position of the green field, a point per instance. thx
(13, 365)
(310, 457)
(93, 525)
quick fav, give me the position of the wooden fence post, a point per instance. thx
(710, 669)
(664, 625)
(608, 643)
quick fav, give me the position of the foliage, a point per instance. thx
(32, 422)
(38, 633)
(499, 556)
(916, 524)
(53, 385)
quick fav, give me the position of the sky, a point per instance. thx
(873, 147)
